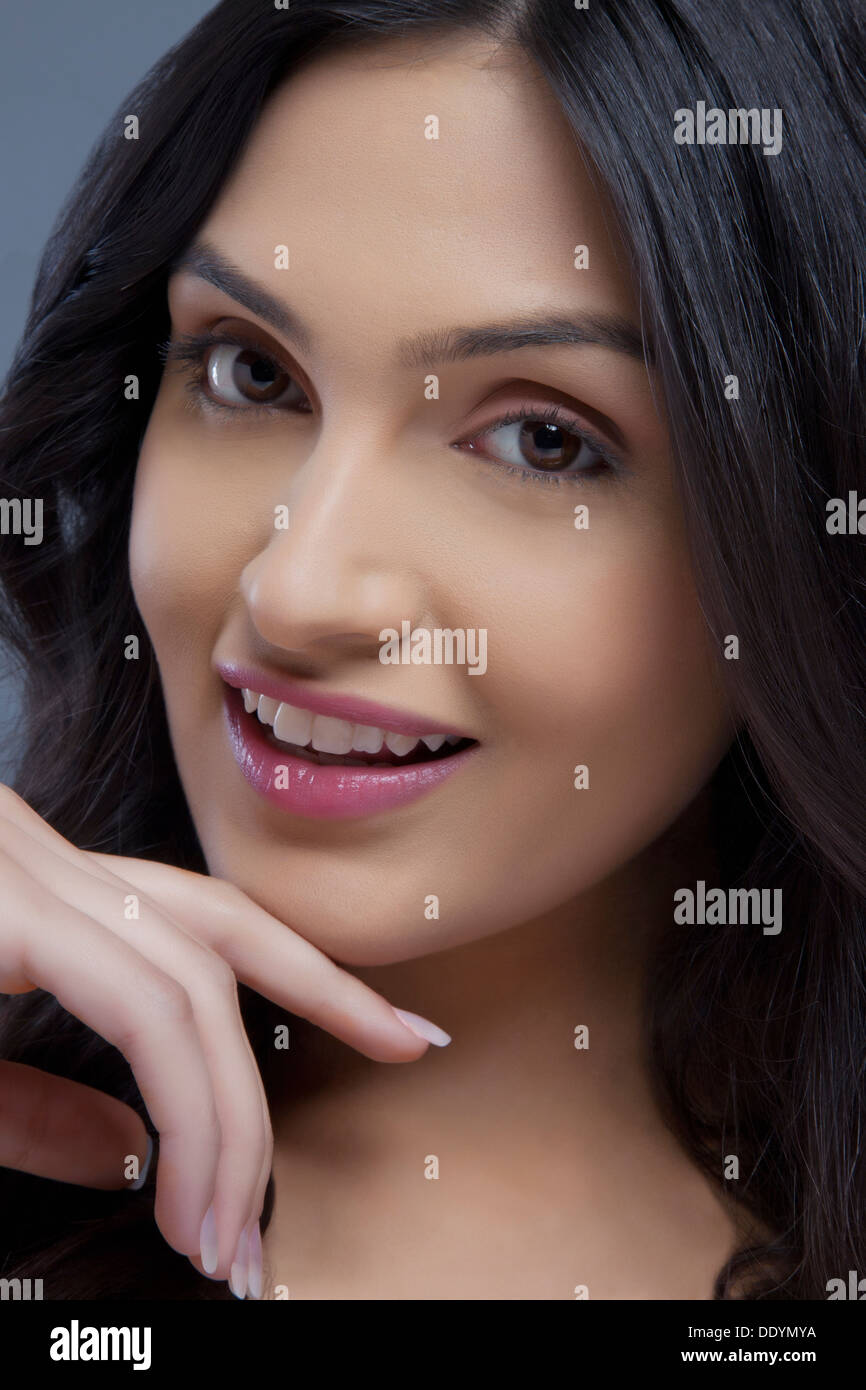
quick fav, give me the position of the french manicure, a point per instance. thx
(209, 1241)
(255, 1270)
(238, 1274)
(423, 1028)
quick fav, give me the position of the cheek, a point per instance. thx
(607, 664)
(164, 536)
(186, 546)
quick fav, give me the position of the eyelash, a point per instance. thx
(190, 349)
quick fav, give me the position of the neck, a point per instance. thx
(560, 1146)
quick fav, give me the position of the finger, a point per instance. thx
(259, 1199)
(43, 836)
(274, 960)
(57, 1128)
(12, 983)
(147, 1015)
(263, 952)
(212, 990)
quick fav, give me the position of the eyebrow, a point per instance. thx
(432, 347)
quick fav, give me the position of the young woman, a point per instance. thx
(442, 414)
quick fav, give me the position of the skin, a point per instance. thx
(597, 655)
(597, 652)
(556, 1170)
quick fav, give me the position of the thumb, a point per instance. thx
(56, 1128)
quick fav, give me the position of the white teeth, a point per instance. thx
(433, 741)
(367, 739)
(267, 709)
(335, 737)
(400, 743)
(331, 735)
(293, 725)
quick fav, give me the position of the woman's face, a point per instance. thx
(333, 484)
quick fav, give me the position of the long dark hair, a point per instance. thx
(748, 265)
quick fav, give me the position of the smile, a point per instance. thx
(318, 765)
(329, 742)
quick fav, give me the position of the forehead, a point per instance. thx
(416, 180)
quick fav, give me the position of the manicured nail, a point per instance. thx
(423, 1028)
(255, 1271)
(145, 1168)
(209, 1242)
(238, 1274)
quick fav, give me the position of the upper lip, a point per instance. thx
(355, 709)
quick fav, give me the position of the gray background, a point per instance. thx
(64, 69)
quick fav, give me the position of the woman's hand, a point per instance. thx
(162, 987)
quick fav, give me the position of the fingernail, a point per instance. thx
(255, 1271)
(145, 1168)
(209, 1241)
(238, 1274)
(423, 1028)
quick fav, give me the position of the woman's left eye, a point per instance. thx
(544, 445)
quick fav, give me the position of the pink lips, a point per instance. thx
(328, 791)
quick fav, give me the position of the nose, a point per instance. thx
(347, 564)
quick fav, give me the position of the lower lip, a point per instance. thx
(327, 792)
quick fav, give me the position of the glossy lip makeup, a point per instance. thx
(295, 780)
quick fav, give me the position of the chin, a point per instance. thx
(354, 935)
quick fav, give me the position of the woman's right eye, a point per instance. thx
(242, 376)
